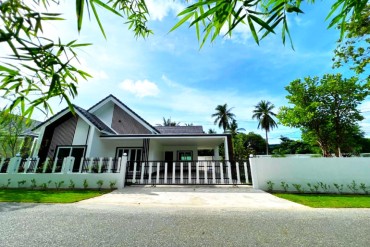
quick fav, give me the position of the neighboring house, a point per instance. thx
(111, 129)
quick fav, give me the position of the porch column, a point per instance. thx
(216, 153)
(38, 143)
(226, 149)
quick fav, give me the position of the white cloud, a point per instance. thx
(140, 88)
(159, 9)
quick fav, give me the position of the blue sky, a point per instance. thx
(167, 75)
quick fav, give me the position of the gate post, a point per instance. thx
(13, 165)
(123, 166)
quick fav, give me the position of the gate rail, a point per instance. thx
(188, 172)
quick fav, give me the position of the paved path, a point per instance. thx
(194, 196)
(127, 223)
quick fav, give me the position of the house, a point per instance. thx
(111, 129)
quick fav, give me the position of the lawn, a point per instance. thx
(328, 201)
(48, 196)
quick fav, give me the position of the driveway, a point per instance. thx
(194, 196)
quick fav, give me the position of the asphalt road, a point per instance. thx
(137, 225)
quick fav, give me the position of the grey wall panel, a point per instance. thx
(63, 135)
(123, 123)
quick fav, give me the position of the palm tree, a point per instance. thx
(263, 113)
(223, 116)
(168, 122)
(233, 128)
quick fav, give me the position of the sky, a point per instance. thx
(168, 75)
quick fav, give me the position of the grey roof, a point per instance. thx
(175, 130)
(95, 120)
(92, 118)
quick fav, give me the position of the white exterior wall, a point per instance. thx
(105, 113)
(107, 147)
(309, 170)
(81, 132)
(155, 151)
(175, 149)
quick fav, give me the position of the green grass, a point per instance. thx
(328, 201)
(48, 196)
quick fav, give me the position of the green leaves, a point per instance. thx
(219, 17)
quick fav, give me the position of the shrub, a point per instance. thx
(85, 184)
(100, 184)
(112, 184)
(21, 183)
(270, 186)
(285, 186)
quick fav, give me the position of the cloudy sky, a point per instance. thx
(167, 75)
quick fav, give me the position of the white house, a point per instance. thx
(111, 129)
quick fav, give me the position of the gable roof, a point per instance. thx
(100, 125)
(126, 108)
(175, 130)
(92, 119)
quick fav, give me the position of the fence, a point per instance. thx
(188, 172)
(329, 173)
(86, 173)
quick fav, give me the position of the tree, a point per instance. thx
(354, 48)
(264, 114)
(41, 69)
(11, 128)
(325, 110)
(168, 122)
(223, 116)
(288, 146)
(212, 131)
(234, 128)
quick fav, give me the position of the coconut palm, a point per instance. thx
(223, 116)
(263, 113)
(234, 128)
(168, 122)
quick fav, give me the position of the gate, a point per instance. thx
(188, 172)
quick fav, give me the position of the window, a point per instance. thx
(78, 152)
(133, 155)
(185, 155)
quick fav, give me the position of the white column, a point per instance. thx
(216, 153)
(27, 164)
(82, 163)
(222, 173)
(229, 172)
(205, 167)
(189, 171)
(245, 172)
(173, 172)
(55, 165)
(110, 162)
(150, 172)
(123, 165)
(46, 162)
(142, 173)
(32, 147)
(134, 174)
(165, 172)
(13, 165)
(100, 164)
(157, 178)
(226, 149)
(197, 173)
(237, 173)
(38, 142)
(181, 173)
(213, 173)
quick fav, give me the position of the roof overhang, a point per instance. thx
(200, 141)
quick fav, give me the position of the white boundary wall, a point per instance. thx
(12, 178)
(309, 170)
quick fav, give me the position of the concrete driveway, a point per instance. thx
(224, 196)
